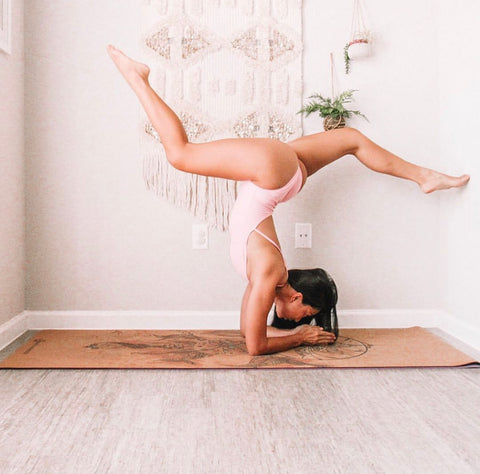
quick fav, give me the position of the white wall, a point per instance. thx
(374, 233)
(98, 240)
(459, 73)
(12, 268)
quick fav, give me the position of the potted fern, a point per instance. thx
(332, 110)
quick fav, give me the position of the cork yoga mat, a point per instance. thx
(195, 349)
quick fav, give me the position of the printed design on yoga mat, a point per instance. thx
(188, 347)
(35, 343)
(344, 348)
(228, 68)
(181, 347)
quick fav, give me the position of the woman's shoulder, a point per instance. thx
(266, 264)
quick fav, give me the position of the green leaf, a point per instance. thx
(331, 106)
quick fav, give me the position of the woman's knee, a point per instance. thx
(354, 138)
(178, 158)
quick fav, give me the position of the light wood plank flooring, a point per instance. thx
(240, 421)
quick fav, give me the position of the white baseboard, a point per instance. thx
(212, 319)
(462, 331)
(133, 320)
(37, 320)
(13, 329)
(388, 318)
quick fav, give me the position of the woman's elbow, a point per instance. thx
(254, 352)
(256, 348)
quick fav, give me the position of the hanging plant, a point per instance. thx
(360, 38)
(332, 110)
(356, 49)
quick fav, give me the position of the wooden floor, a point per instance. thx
(240, 421)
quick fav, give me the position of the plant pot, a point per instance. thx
(330, 123)
(358, 49)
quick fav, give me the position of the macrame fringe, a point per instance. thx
(209, 199)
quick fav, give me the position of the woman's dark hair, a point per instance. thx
(318, 290)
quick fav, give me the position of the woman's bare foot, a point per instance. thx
(435, 181)
(131, 70)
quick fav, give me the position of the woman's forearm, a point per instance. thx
(282, 343)
(276, 332)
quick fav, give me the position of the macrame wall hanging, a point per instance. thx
(228, 68)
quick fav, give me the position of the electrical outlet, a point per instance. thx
(303, 235)
(199, 236)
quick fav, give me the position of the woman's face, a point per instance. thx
(294, 310)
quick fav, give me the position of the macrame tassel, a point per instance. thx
(209, 199)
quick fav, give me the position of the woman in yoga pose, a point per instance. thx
(273, 172)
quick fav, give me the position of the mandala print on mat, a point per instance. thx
(228, 68)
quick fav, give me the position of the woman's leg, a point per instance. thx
(320, 149)
(268, 163)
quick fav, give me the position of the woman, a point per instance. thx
(273, 172)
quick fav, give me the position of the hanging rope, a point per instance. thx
(358, 23)
(359, 37)
(331, 74)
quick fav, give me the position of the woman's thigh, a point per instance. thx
(320, 149)
(268, 163)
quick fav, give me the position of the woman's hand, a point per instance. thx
(312, 335)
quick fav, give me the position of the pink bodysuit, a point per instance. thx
(254, 205)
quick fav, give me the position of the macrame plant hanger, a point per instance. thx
(358, 30)
(331, 122)
(360, 38)
(331, 76)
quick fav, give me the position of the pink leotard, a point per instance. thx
(253, 205)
